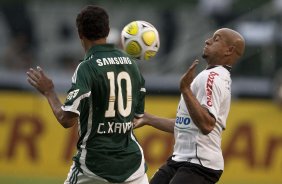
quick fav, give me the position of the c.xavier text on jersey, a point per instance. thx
(112, 127)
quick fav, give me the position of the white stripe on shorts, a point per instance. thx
(72, 176)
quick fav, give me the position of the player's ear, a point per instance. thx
(82, 42)
(230, 50)
(80, 35)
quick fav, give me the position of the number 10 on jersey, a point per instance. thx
(124, 111)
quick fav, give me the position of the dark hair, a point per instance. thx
(93, 22)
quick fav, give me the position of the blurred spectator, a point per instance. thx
(19, 53)
(278, 88)
(67, 58)
(168, 31)
(277, 5)
(68, 62)
(65, 31)
(114, 37)
(219, 10)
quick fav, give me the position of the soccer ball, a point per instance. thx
(140, 39)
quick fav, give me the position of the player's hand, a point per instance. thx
(38, 79)
(188, 77)
(139, 122)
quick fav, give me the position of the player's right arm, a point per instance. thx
(38, 79)
(164, 124)
(200, 115)
(65, 118)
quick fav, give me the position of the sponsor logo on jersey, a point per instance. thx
(114, 61)
(114, 128)
(209, 86)
(182, 122)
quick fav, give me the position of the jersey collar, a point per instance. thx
(227, 67)
(97, 48)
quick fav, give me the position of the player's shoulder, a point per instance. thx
(212, 76)
(82, 66)
(216, 72)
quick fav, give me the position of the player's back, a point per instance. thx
(117, 93)
(116, 83)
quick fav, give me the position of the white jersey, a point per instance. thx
(212, 88)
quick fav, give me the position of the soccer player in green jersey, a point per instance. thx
(107, 92)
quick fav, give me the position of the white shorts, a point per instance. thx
(76, 177)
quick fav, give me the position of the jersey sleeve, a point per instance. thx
(213, 91)
(139, 111)
(80, 89)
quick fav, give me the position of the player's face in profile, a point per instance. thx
(214, 46)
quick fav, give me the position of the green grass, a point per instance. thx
(24, 180)
(36, 180)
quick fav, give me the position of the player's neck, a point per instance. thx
(87, 44)
(227, 67)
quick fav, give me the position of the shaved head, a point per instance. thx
(225, 47)
(233, 38)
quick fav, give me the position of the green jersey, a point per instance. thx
(107, 92)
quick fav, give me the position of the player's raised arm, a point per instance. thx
(164, 124)
(201, 117)
(38, 79)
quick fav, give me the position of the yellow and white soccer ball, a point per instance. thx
(140, 39)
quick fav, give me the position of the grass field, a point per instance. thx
(36, 180)
(24, 180)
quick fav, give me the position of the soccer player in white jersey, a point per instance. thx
(201, 115)
(107, 92)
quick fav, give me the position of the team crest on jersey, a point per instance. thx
(72, 94)
(182, 122)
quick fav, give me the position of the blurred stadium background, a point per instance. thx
(34, 149)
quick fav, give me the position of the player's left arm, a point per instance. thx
(200, 115)
(38, 79)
